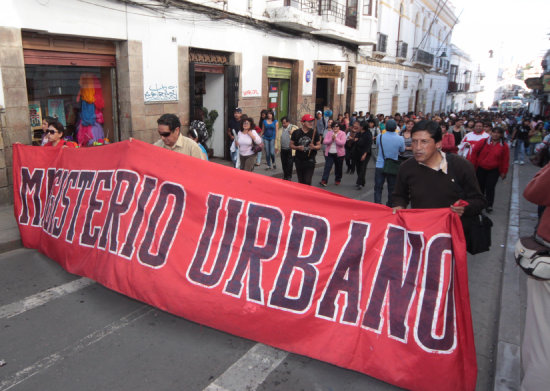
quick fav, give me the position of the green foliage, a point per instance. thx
(209, 119)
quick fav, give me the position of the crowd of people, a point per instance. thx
(349, 142)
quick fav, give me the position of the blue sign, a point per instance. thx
(308, 75)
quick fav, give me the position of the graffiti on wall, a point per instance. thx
(161, 93)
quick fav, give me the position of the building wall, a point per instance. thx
(152, 49)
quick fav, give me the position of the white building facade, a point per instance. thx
(464, 84)
(152, 57)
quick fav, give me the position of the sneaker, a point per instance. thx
(268, 168)
(521, 163)
(489, 209)
(323, 183)
(257, 164)
(516, 161)
(337, 183)
(358, 187)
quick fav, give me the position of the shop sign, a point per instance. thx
(308, 75)
(328, 71)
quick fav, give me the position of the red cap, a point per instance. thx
(307, 117)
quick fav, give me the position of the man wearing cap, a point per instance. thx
(306, 142)
(171, 138)
(234, 126)
(390, 145)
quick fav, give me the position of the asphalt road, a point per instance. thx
(61, 332)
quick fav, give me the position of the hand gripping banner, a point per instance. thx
(295, 267)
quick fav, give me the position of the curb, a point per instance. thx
(508, 355)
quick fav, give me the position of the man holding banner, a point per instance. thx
(434, 179)
(171, 138)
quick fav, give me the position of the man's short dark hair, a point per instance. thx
(170, 120)
(285, 118)
(431, 127)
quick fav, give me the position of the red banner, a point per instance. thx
(288, 265)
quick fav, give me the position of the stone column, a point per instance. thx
(14, 120)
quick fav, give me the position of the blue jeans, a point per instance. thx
(258, 158)
(519, 150)
(330, 160)
(379, 179)
(269, 149)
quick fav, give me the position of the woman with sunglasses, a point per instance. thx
(55, 133)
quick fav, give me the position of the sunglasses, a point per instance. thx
(51, 131)
(166, 134)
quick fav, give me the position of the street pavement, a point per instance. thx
(62, 332)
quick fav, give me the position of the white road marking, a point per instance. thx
(76, 347)
(28, 303)
(250, 370)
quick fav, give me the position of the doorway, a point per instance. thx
(323, 94)
(279, 93)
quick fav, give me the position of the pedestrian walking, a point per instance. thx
(234, 125)
(491, 160)
(306, 142)
(258, 128)
(362, 151)
(390, 145)
(245, 141)
(520, 138)
(283, 142)
(334, 141)
(270, 129)
(471, 139)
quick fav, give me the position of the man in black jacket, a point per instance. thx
(434, 179)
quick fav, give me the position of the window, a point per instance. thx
(369, 6)
(453, 73)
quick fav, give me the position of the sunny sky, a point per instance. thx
(518, 30)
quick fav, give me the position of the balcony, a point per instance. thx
(456, 87)
(332, 11)
(301, 15)
(401, 53)
(327, 18)
(381, 46)
(422, 58)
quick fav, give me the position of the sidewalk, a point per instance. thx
(522, 220)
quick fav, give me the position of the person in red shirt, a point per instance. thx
(491, 159)
(448, 144)
(55, 134)
(469, 141)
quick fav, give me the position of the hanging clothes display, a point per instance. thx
(90, 127)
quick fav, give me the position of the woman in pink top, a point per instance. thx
(335, 151)
(244, 142)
